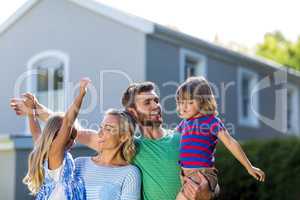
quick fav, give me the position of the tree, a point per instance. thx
(277, 48)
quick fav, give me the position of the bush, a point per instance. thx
(278, 158)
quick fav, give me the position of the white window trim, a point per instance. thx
(46, 54)
(192, 54)
(254, 100)
(295, 107)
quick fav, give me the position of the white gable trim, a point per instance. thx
(114, 14)
(117, 15)
(17, 15)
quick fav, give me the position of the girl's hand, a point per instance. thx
(257, 173)
(84, 82)
(30, 100)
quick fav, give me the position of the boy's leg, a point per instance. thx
(208, 182)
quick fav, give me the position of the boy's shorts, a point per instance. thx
(210, 174)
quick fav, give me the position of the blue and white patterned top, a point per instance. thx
(72, 185)
(109, 183)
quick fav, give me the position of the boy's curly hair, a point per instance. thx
(198, 88)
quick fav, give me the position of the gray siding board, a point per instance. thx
(163, 69)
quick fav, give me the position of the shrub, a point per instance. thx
(278, 158)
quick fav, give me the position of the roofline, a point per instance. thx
(129, 20)
(27, 6)
(160, 30)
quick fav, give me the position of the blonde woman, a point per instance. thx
(109, 176)
(50, 166)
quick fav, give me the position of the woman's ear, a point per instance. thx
(124, 138)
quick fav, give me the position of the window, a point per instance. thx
(247, 100)
(49, 79)
(292, 110)
(191, 64)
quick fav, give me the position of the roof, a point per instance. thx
(146, 27)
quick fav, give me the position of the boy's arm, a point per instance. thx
(235, 148)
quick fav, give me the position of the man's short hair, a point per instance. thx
(128, 98)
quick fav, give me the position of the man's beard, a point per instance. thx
(143, 120)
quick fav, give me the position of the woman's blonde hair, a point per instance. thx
(126, 126)
(35, 174)
(198, 88)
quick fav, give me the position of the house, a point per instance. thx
(47, 45)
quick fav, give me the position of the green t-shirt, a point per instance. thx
(158, 162)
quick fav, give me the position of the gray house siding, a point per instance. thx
(163, 69)
(93, 42)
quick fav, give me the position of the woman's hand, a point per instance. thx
(257, 173)
(84, 82)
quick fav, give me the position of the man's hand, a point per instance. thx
(194, 191)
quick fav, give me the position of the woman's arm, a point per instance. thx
(34, 124)
(235, 148)
(57, 149)
(88, 137)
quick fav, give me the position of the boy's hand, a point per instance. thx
(84, 82)
(257, 173)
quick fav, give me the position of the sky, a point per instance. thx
(243, 22)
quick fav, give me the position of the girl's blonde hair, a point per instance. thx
(126, 126)
(198, 88)
(35, 174)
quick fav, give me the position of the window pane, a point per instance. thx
(50, 87)
(58, 78)
(245, 96)
(190, 66)
(42, 79)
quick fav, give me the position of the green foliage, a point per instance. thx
(277, 48)
(278, 158)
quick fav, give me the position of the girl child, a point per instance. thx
(200, 129)
(51, 167)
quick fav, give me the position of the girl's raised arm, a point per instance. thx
(57, 149)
